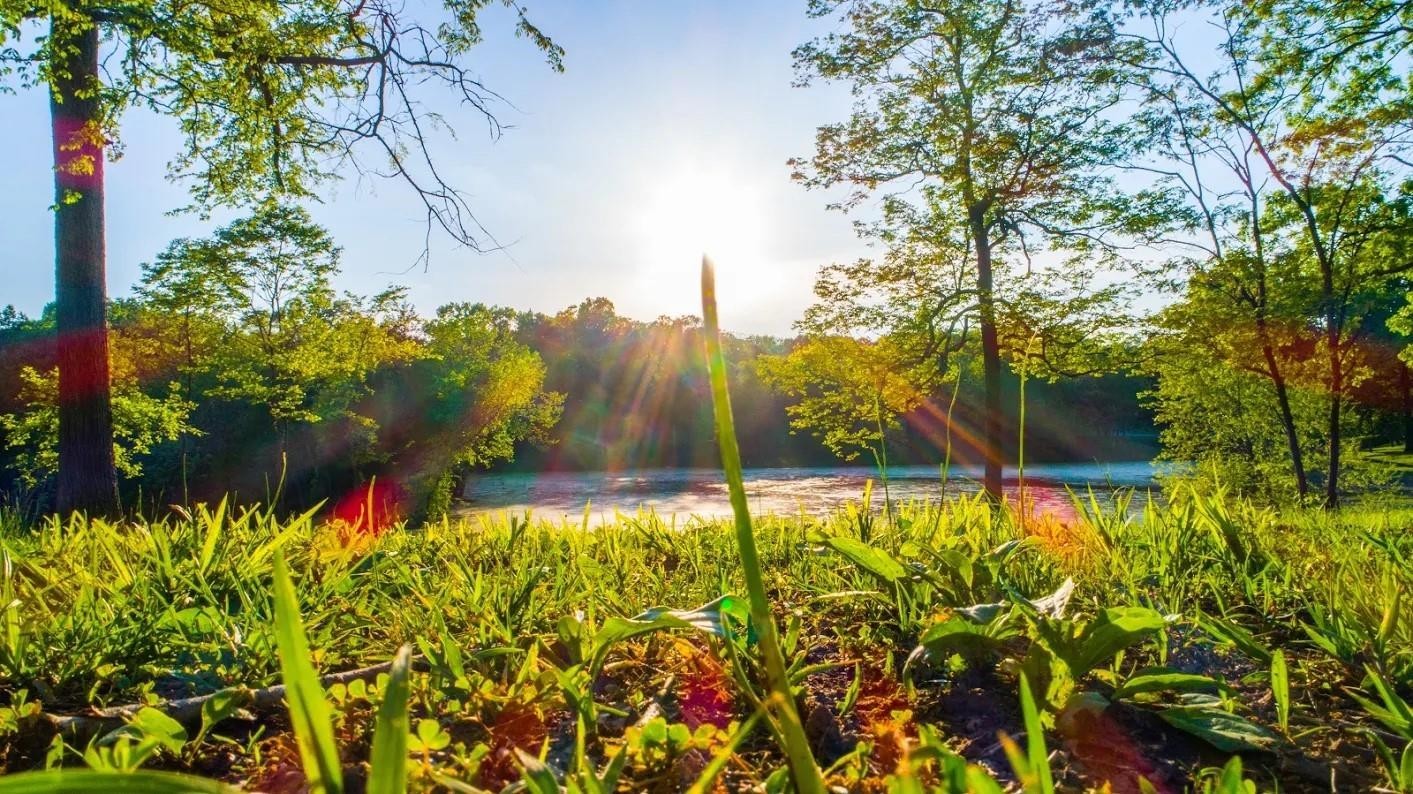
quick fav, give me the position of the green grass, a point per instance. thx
(1394, 455)
(537, 655)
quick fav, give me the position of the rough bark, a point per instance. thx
(1405, 381)
(990, 358)
(1332, 341)
(1292, 439)
(87, 480)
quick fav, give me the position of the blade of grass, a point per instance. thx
(86, 781)
(1280, 690)
(308, 711)
(388, 761)
(1032, 767)
(802, 765)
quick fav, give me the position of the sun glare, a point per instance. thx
(693, 212)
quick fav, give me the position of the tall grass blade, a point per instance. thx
(215, 523)
(1032, 767)
(1280, 689)
(388, 761)
(802, 766)
(308, 711)
(87, 781)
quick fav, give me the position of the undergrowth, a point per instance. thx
(1157, 642)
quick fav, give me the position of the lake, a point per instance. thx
(702, 492)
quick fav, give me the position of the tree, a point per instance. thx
(141, 422)
(986, 122)
(475, 394)
(1050, 324)
(1244, 290)
(1219, 423)
(262, 325)
(271, 99)
(1386, 393)
(849, 392)
(1312, 91)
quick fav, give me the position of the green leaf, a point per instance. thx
(1395, 713)
(1221, 729)
(536, 774)
(1032, 767)
(220, 706)
(1160, 679)
(308, 711)
(151, 725)
(1112, 631)
(1232, 781)
(958, 635)
(708, 618)
(86, 781)
(876, 561)
(1280, 689)
(430, 736)
(215, 524)
(388, 761)
(1229, 632)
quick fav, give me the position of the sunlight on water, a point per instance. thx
(702, 492)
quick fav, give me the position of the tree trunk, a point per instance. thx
(1292, 439)
(990, 358)
(1336, 412)
(1405, 381)
(87, 479)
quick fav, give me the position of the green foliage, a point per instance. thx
(308, 710)
(388, 758)
(979, 128)
(238, 354)
(1280, 689)
(288, 342)
(509, 614)
(1300, 116)
(848, 391)
(269, 102)
(487, 388)
(1033, 766)
(141, 422)
(1205, 717)
(87, 781)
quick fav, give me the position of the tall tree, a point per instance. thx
(1241, 286)
(989, 119)
(1313, 90)
(270, 98)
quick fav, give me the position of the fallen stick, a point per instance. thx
(187, 711)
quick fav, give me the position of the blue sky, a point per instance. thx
(667, 132)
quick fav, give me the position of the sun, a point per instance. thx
(694, 211)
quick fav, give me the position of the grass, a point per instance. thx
(537, 660)
(1394, 455)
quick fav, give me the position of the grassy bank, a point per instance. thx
(1192, 631)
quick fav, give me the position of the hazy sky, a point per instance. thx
(668, 130)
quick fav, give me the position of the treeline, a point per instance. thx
(636, 395)
(239, 369)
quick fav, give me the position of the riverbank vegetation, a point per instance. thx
(1158, 640)
(228, 554)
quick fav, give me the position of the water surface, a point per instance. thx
(702, 492)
